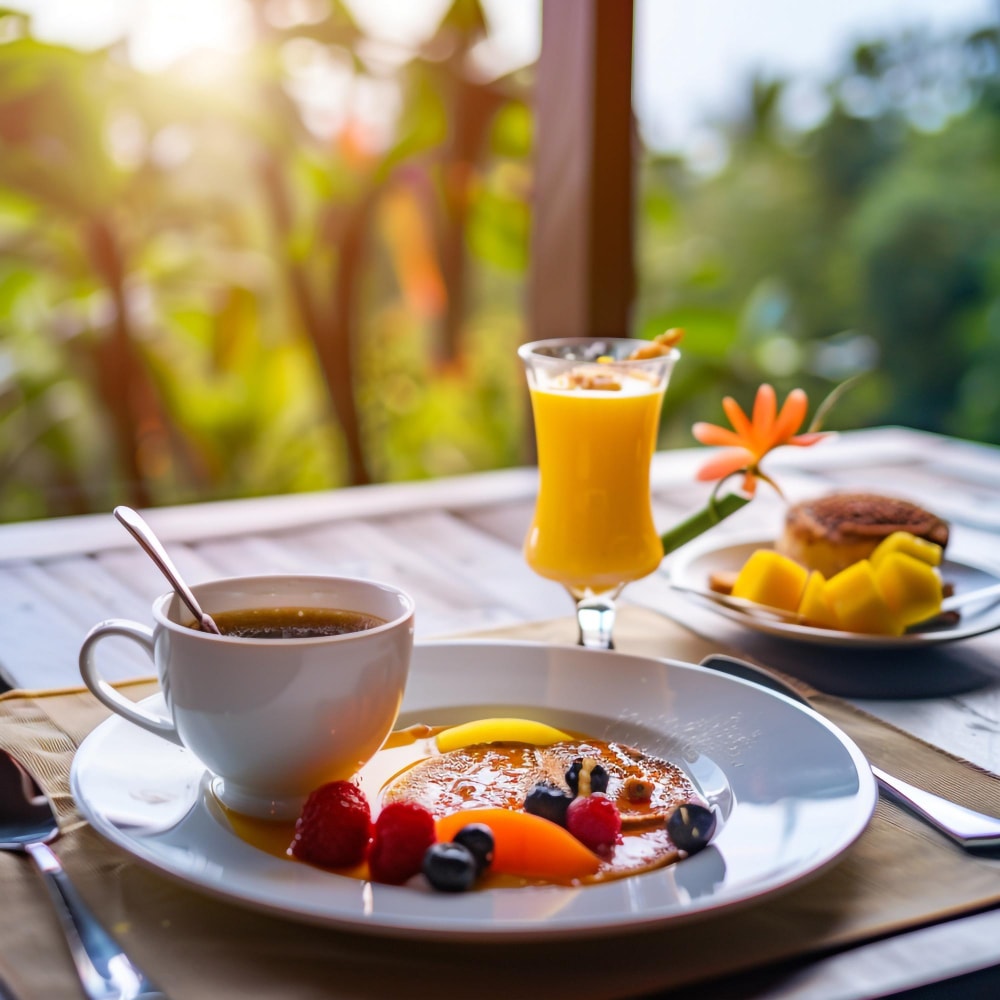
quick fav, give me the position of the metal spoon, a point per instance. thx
(143, 534)
(27, 825)
(972, 830)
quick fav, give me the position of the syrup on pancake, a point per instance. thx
(502, 774)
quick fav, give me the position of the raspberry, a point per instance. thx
(334, 828)
(595, 822)
(403, 832)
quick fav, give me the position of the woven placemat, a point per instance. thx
(899, 875)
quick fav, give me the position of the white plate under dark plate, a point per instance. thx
(693, 569)
(786, 816)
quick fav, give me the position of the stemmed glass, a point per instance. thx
(596, 405)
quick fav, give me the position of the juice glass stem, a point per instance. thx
(595, 616)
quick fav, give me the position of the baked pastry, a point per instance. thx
(831, 532)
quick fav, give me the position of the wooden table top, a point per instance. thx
(455, 545)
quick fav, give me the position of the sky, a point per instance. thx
(692, 59)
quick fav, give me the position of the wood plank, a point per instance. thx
(40, 636)
(477, 561)
(229, 518)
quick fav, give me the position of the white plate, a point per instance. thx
(692, 569)
(785, 815)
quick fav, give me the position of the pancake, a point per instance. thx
(501, 775)
(832, 532)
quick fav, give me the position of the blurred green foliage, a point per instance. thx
(207, 289)
(869, 243)
(205, 292)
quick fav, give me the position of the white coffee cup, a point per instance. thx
(271, 719)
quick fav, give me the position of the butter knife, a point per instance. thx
(974, 831)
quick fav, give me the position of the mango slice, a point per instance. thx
(770, 578)
(911, 587)
(499, 731)
(858, 603)
(526, 845)
(911, 545)
(815, 606)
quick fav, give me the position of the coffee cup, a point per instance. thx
(270, 718)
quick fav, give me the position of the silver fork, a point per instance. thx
(974, 831)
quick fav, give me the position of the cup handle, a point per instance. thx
(105, 693)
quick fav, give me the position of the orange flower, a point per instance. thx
(750, 440)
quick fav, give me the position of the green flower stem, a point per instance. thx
(697, 524)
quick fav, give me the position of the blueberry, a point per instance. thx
(477, 838)
(691, 827)
(449, 867)
(548, 802)
(598, 777)
(573, 775)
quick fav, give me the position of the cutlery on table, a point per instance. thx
(27, 825)
(974, 831)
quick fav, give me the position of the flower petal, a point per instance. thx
(725, 464)
(764, 408)
(805, 440)
(739, 420)
(713, 434)
(793, 412)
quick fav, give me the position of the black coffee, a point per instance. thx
(291, 623)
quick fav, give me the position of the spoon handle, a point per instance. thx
(143, 534)
(992, 592)
(105, 971)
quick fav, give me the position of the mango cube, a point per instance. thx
(770, 578)
(912, 545)
(858, 603)
(911, 587)
(815, 606)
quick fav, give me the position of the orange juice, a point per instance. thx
(593, 527)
